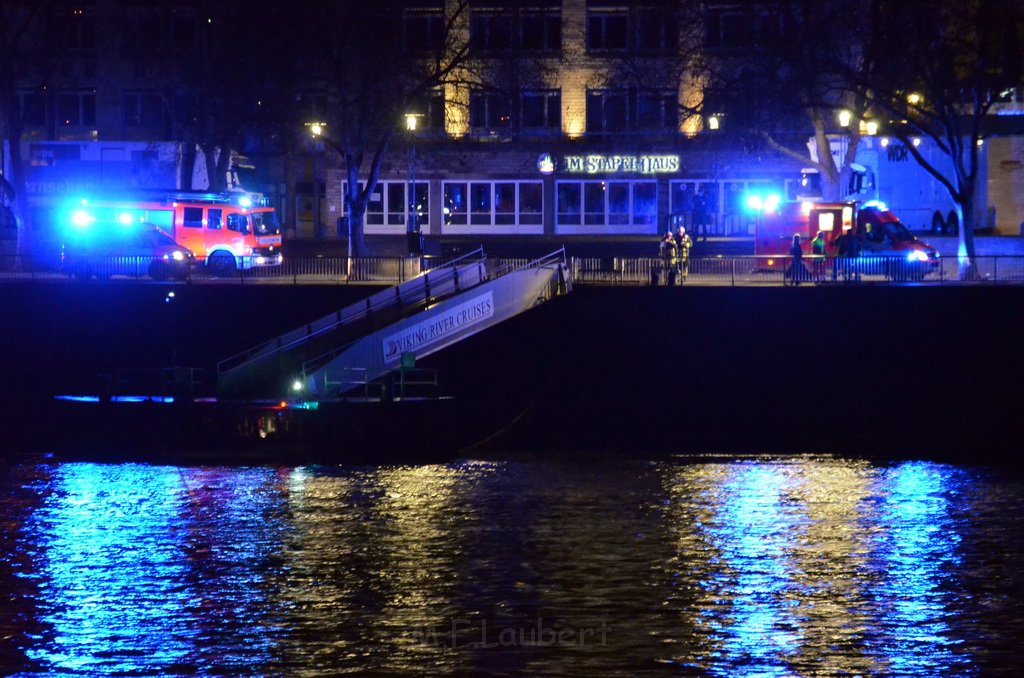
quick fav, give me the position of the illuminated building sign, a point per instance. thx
(439, 328)
(638, 164)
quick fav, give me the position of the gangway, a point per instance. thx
(388, 329)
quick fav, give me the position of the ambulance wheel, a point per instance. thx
(952, 223)
(158, 270)
(221, 264)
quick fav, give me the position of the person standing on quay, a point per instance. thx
(683, 244)
(818, 250)
(796, 266)
(668, 254)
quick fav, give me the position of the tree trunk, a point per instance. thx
(967, 263)
(356, 211)
(19, 203)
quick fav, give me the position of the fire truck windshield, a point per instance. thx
(265, 223)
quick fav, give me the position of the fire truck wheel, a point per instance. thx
(221, 264)
(158, 270)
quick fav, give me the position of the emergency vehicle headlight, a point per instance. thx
(917, 255)
(82, 218)
(177, 255)
(260, 261)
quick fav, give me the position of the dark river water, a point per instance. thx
(796, 566)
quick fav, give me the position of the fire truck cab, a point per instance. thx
(882, 243)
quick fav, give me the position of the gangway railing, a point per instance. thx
(500, 269)
(430, 286)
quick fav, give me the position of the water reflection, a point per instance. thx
(802, 566)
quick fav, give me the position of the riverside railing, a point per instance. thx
(626, 271)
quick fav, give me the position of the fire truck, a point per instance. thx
(883, 245)
(228, 231)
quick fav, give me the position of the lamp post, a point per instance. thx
(316, 130)
(412, 223)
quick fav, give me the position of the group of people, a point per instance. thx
(674, 252)
(847, 247)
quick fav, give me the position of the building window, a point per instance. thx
(619, 110)
(607, 30)
(143, 109)
(490, 31)
(424, 29)
(542, 109)
(74, 28)
(386, 210)
(656, 31)
(489, 110)
(607, 111)
(32, 105)
(727, 30)
(493, 206)
(657, 110)
(430, 111)
(142, 32)
(541, 31)
(606, 206)
(76, 109)
(183, 31)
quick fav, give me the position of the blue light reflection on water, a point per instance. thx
(915, 556)
(802, 566)
(141, 564)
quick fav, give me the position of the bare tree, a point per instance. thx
(370, 69)
(224, 86)
(940, 81)
(786, 73)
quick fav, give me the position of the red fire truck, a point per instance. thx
(228, 231)
(883, 244)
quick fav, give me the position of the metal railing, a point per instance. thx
(778, 271)
(465, 271)
(627, 271)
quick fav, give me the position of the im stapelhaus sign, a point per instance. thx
(610, 164)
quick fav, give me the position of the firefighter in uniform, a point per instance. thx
(683, 244)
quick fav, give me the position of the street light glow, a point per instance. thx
(844, 118)
(411, 121)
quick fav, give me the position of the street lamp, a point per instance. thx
(412, 224)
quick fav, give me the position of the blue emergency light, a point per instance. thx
(763, 203)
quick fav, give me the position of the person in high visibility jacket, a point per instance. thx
(683, 244)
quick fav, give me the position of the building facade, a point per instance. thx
(572, 117)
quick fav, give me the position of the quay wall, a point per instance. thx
(860, 370)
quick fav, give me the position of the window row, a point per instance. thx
(608, 110)
(615, 204)
(590, 206)
(139, 109)
(493, 203)
(613, 28)
(387, 205)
